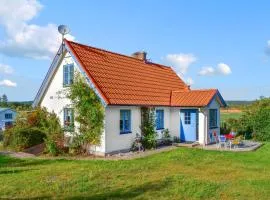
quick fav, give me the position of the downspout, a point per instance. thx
(205, 128)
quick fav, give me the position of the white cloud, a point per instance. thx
(6, 69)
(189, 81)
(24, 39)
(8, 83)
(267, 49)
(221, 69)
(181, 62)
(207, 71)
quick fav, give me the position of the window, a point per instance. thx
(213, 118)
(187, 117)
(8, 116)
(68, 74)
(8, 124)
(159, 119)
(68, 119)
(125, 121)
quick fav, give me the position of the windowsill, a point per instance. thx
(158, 129)
(125, 132)
(214, 127)
(66, 85)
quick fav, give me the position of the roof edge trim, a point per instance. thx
(79, 62)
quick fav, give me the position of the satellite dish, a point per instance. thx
(63, 29)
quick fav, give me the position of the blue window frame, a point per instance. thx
(159, 119)
(187, 117)
(68, 74)
(68, 119)
(212, 118)
(125, 121)
(8, 116)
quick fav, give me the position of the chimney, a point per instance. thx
(140, 55)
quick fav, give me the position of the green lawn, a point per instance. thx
(183, 173)
(224, 115)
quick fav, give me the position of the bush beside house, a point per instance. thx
(253, 123)
(88, 111)
(32, 128)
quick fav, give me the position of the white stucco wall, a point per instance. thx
(54, 101)
(114, 140)
(175, 122)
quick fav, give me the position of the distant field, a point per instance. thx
(226, 114)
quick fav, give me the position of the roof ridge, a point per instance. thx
(196, 90)
(204, 89)
(120, 54)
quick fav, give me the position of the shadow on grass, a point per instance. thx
(34, 198)
(8, 161)
(125, 193)
(121, 193)
(15, 171)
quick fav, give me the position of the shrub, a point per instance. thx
(89, 113)
(22, 138)
(176, 139)
(1, 136)
(31, 128)
(148, 128)
(51, 147)
(255, 121)
(166, 137)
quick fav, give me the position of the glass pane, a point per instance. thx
(126, 124)
(121, 125)
(65, 75)
(71, 72)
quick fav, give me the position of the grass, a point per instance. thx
(179, 174)
(226, 115)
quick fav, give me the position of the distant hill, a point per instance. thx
(238, 103)
(21, 102)
(17, 105)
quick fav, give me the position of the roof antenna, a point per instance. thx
(63, 30)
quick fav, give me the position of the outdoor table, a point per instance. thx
(229, 136)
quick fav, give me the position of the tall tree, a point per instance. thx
(4, 100)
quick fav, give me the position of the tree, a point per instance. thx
(4, 98)
(88, 111)
(255, 120)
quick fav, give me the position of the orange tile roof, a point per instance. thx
(125, 80)
(196, 98)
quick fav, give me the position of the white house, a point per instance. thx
(7, 117)
(125, 84)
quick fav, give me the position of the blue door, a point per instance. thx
(188, 125)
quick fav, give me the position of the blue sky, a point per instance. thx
(211, 44)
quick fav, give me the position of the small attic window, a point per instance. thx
(68, 74)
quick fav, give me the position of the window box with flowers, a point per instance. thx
(69, 119)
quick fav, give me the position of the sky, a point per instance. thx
(209, 43)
